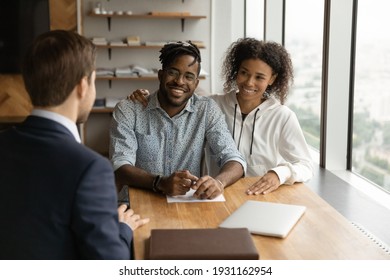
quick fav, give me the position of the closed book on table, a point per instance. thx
(202, 244)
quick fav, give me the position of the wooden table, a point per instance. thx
(322, 232)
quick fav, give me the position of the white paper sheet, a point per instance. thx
(188, 197)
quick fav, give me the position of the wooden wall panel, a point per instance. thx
(14, 100)
(63, 14)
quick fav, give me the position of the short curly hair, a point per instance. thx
(172, 50)
(274, 54)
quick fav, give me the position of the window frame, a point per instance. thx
(337, 92)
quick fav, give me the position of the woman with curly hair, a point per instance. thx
(258, 75)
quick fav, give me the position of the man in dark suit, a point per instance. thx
(57, 197)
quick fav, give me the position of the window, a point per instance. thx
(254, 19)
(303, 40)
(371, 117)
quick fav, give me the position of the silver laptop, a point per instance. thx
(265, 218)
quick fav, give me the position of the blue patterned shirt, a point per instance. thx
(151, 140)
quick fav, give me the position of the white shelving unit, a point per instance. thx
(171, 20)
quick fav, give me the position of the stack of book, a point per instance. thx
(99, 103)
(124, 72)
(133, 41)
(105, 72)
(117, 43)
(155, 44)
(107, 102)
(99, 41)
(143, 72)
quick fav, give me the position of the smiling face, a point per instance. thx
(253, 77)
(177, 84)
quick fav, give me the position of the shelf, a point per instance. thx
(110, 79)
(127, 47)
(137, 47)
(146, 16)
(126, 78)
(134, 78)
(109, 47)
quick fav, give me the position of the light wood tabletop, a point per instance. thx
(321, 233)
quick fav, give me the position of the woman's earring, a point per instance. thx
(267, 93)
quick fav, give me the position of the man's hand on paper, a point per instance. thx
(178, 183)
(207, 188)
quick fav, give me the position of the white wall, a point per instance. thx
(227, 25)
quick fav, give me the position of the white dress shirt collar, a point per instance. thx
(70, 125)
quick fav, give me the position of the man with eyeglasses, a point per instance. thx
(160, 146)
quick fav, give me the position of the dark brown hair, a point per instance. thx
(54, 64)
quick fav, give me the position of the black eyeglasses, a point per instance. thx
(188, 77)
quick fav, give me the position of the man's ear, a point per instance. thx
(82, 87)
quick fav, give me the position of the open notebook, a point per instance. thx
(265, 218)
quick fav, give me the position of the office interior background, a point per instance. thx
(341, 57)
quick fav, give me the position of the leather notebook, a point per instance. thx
(202, 244)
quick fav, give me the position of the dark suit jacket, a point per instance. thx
(57, 197)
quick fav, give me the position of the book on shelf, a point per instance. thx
(117, 43)
(99, 41)
(125, 72)
(149, 73)
(106, 102)
(99, 103)
(105, 72)
(144, 72)
(199, 44)
(133, 41)
(155, 43)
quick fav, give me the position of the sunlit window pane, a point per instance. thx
(254, 15)
(371, 120)
(303, 39)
